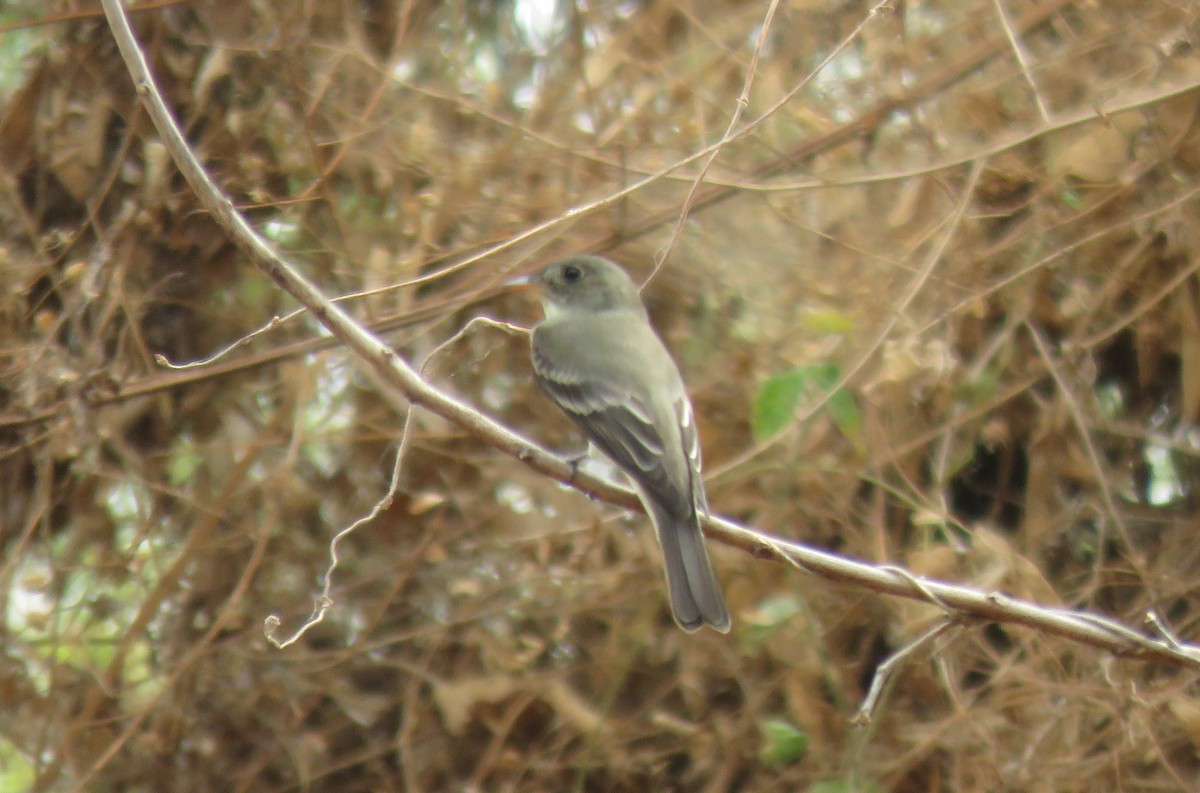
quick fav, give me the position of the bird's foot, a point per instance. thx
(574, 461)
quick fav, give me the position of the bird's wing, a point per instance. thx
(690, 440)
(622, 426)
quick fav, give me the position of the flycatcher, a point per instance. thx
(596, 355)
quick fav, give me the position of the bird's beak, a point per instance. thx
(523, 284)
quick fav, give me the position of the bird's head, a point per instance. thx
(588, 284)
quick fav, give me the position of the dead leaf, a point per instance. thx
(1186, 711)
(1096, 152)
(456, 699)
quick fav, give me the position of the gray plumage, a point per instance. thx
(599, 359)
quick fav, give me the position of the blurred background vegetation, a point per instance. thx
(974, 230)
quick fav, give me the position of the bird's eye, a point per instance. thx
(571, 273)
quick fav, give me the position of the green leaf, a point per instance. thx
(771, 615)
(840, 786)
(779, 396)
(19, 772)
(844, 413)
(184, 463)
(783, 742)
(777, 402)
(827, 322)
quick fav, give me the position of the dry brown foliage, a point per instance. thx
(980, 216)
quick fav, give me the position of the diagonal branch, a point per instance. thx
(965, 603)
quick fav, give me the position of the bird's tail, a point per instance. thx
(696, 598)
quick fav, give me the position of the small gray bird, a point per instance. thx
(597, 357)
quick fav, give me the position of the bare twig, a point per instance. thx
(961, 601)
(1154, 621)
(884, 672)
(1019, 52)
(273, 323)
(743, 101)
(1085, 436)
(325, 600)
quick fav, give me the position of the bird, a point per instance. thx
(597, 357)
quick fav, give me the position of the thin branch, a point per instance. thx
(272, 324)
(1019, 52)
(1085, 436)
(1133, 99)
(865, 124)
(325, 600)
(960, 601)
(743, 101)
(885, 671)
